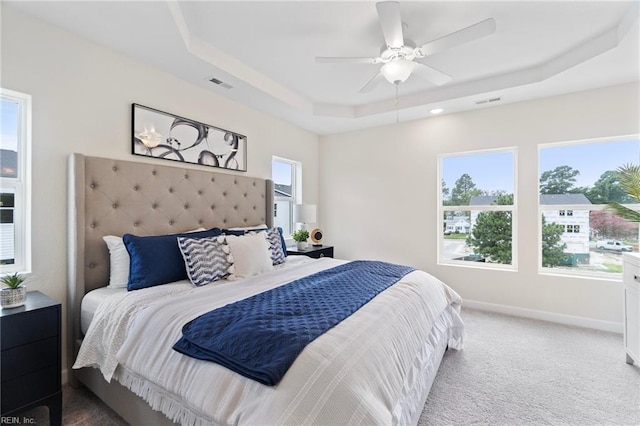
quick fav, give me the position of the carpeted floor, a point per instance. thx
(516, 371)
(513, 371)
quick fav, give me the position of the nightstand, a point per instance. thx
(30, 361)
(312, 251)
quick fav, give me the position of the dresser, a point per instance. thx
(30, 359)
(631, 280)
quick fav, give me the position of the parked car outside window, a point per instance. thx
(613, 245)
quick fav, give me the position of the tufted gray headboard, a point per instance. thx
(114, 197)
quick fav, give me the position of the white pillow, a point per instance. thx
(118, 261)
(251, 254)
(248, 228)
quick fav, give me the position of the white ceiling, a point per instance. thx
(266, 51)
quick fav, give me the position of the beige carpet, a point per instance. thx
(516, 371)
(513, 371)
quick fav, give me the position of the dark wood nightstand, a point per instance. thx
(30, 361)
(312, 251)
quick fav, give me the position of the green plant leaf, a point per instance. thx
(13, 280)
(629, 178)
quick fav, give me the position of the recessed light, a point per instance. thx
(436, 111)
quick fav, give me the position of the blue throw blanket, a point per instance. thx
(261, 336)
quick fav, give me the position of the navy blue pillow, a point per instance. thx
(284, 244)
(157, 259)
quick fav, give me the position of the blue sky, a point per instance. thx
(8, 125)
(490, 172)
(591, 159)
(281, 173)
(494, 171)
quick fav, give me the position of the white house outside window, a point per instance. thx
(576, 181)
(15, 194)
(286, 175)
(477, 209)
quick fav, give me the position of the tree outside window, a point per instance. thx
(477, 209)
(576, 181)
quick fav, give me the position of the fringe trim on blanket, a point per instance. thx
(447, 330)
(160, 400)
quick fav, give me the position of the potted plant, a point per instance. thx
(15, 293)
(300, 237)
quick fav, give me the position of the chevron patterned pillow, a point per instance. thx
(278, 252)
(206, 259)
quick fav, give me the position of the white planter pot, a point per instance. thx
(13, 297)
(302, 245)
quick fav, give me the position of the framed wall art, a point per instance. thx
(162, 135)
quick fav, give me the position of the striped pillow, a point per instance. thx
(206, 259)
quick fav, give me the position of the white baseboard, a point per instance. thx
(614, 327)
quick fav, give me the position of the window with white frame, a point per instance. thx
(579, 233)
(15, 141)
(477, 208)
(286, 175)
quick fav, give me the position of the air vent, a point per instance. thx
(220, 83)
(490, 100)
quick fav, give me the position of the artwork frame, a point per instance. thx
(160, 134)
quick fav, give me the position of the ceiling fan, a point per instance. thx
(402, 57)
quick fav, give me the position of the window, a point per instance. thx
(286, 175)
(477, 209)
(572, 228)
(15, 122)
(581, 178)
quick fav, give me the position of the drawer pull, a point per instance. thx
(636, 278)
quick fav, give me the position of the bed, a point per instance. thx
(374, 367)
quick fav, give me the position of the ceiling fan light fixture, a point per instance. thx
(397, 70)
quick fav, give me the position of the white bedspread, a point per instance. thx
(360, 372)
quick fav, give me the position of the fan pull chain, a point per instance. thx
(397, 104)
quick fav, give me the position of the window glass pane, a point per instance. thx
(589, 169)
(477, 179)
(9, 139)
(590, 241)
(282, 175)
(7, 227)
(15, 108)
(478, 236)
(282, 215)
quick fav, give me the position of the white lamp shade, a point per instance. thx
(398, 70)
(304, 213)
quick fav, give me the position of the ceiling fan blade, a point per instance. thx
(372, 83)
(465, 35)
(433, 75)
(391, 22)
(345, 60)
